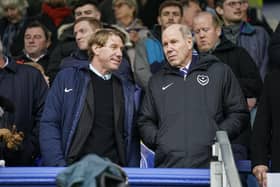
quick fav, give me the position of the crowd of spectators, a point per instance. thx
(52, 50)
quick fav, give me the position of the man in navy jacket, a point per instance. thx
(90, 109)
(25, 87)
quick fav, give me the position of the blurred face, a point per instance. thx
(206, 34)
(244, 8)
(177, 49)
(123, 10)
(108, 58)
(231, 11)
(35, 41)
(12, 14)
(57, 3)
(87, 10)
(189, 13)
(83, 32)
(169, 15)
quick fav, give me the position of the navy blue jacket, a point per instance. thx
(63, 108)
(27, 89)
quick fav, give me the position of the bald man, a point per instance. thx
(188, 94)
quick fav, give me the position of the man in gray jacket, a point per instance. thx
(187, 101)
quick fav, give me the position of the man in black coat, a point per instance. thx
(266, 130)
(274, 48)
(210, 40)
(26, 89)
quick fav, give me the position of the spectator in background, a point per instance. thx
(37, 40)
(56, 11)
(253, 38)
(12, 23)
(191, 8)
(125, 12)
(149, 55)
(67, 44)
(209, 39)
(41, 69)
(254, 16)
(191, 96)
(266, 132)
(84, 29)
(104, 105)
(26, 88)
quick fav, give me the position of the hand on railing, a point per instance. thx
(260, 172)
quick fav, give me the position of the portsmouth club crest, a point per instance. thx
(203, 80)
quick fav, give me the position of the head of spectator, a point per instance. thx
(229, 10)
(86, 8)
(83, 29)
(41, 69)
(13, 10)
(37, 39)
(170, 12)
(207, 31)
(105, 50)
(56, 3)
(125, 11)
(177, 44)
(191, 8)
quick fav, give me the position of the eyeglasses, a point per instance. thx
(234, 4)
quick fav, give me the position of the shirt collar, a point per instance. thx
(104, 77)
(34, 59)
(6, 60)
(187, 66)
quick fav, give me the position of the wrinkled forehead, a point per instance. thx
(171, 9)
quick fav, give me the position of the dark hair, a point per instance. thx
(219, 3)
(100, 38)
(34, 24)
(94, 23)
(80, 3)
(168, 3)
(187, 2)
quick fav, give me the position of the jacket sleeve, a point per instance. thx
(274, 48)
(147, 120)
(263, 51)
(142, 69)
(50, 130)
(262, 129)
(250, 79)
(40, 91)
(236, 114)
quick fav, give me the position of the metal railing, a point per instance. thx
(223, 171)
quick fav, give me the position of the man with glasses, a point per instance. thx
(253, 38)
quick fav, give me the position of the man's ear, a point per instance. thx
(219, 10)
(49, 43)
(219, 31)
(158, 20)
(96, 49)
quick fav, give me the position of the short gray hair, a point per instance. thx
(20, 4)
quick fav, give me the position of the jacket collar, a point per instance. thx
(201, 61)
(247, 28)
(11, 66)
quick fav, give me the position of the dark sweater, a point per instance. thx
(101, 139)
